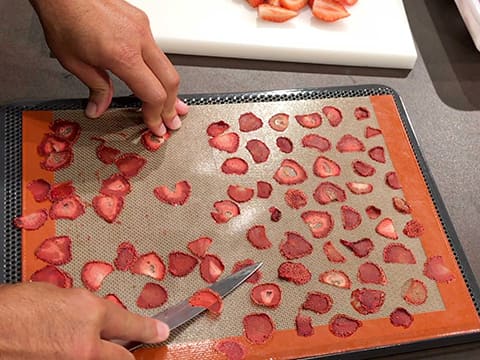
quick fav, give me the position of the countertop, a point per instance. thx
(441, 95)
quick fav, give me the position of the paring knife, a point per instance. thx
(179, 314)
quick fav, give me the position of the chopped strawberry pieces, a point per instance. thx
(67, 130)
(318, 302)
(257, 236)
(217, 128)
(108, 207)
(377, 153)
(333, 114)
(200, 246)
(360, 248)
(328, 192)
(279, 122)
(363, 169)
(61, 191)
(53, 275)
(414, 292)
(275, 13)
(225, 210)
(284, 144)
(294, 272)
(175, 198)
(295, 198)
(333, 255)
(343, 326)
(336, 278)
(239, 265)
(249, 122)
(152, 296)
(373, 212)
(398, 254)
(387, 229)
(269, 295)
(39, 189)
(232, 349)
(290, 172)
(93, 274)
(152, 142)
(361, 113)
(391, 179)
(293, 4)
(57, 160)
(264, 189)
(401, 317)
(52, 144)
(55, 250)
(130, 164)
(325, 167)
(295, 246)
(275, 214)
(32, 221)
(320, 223)
(181, 264)
(259, 151)
(309, 121)
(371, 273)
(126, 256)
(211, 268)
(235, 165)
(115, 185)
(258, 328)
(69, 208)
(107, 154)
(114, 299)
(225, 142)
(349, 143)
(315, 141)
(208, 299)
(367, 301)
(413, 229)
(329, 11)
(371, 132)
(303, 325)
(436, 269)
(150, 265)
(359, 188)
(401, 205)
(351, 218)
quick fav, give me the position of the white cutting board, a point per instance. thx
(377, 34)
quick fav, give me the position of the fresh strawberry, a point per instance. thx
(327, 192)
(274, 13)
(225, 142)
(367, 301)
(401, 317)
(398, 254)
(363, 169)
(255, 3)
(279, 122)
(309, 121)
(240, 193)
(239, 265)
(320, 223)
(224, 211)
(208, 299)
(359, 188)
(373, 212)
(371, 273)
(181, 264)
(130, 164)
(152, 296)
(152, 142)
(199, 247)
(295, 246)
(336, 278)
(401, 205)
(333, 255)
(318, 302)
(68, 208)
(325, 167)
(51, 144)
(333, 114)
(53, 275)
(315, 141)
(93, 274)
(61, 191)
(211, 268)
(343, 326)
(360, 248)
(126, 256)
(257, 236)
(108, 207)
(258, 328)
(391, 179)
(268, 295)
(114, 299)
(284, 144)
(303, 325)
(235, 165)
(249, 121)
(177, 197)
(217, 128)
(67, 130)
(371, 132)
(259, 150)
(386, 229)
(32, 221)
(414, 292)
(329, 10)
(349, 143)
(264, 189)
(39, 189)
(57, 160)
(150, 265)
(107, 154)
(296, 273)
(295, 198)
(115, 185)
(55, 250)
(293, 4)
(377, 153)
(436, 269)
(361, 113)
(351, 218)
(290, 172)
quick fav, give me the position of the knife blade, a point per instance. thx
(182, 312)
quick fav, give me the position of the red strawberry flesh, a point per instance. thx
(225, 142)
(152, 296)
(235, 166)
(240, 193)
(258, 328)
(225, 210)
(315, 141)
(53, 275)
(333, 114)
(94, 272)
(360, 248)
(325, 167)
(208, 299)
(39, 189)
(398, 254)
(309, 121)
(336, 278)
(178, 197)
(303, 325)
(32, 221)
(290, 172)
(268, 294)
(349, 143)
(181, 264)
(371, 273)
(259, 150)
(436, 269)
(320, 223)
(211, 268)
(367, 301)
(295, 198)
(69, 208)
(217, 128)
(294, 272)
(327, 192)
(284, 144)
(343, 326)
(257, 236)
(200, 246)
(401, 317)
(130, 164)
(264, 189)
(55, 250)
(115, 185)
(249, 122)
(150, 265)
(126, 256)
(108, 207)
(295, 246)
(279, 122)
(318, 302)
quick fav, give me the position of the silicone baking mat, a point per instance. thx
(390, 260)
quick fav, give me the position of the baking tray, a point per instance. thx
(11, 157)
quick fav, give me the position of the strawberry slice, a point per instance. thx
(150, 265)
(274, 13)
(363, 169)
(55, 250)
(211, 268)
(233, 350)
(177, 197)
(32, 221)
(126, 256)
(217, 128)
(351, 218)
(275, 214)
(349, 143)
(401, 205)
(130, 164)
(414, 292)
(343, 326)
(279, 122)
(328, 192)
(333, 115)
(240, 193)
(284, 144)
(373, 212)
(413, 229)
(67, 130)
(315, 141)
(94, 272)
(208, 299)
(152, 296)
(290, 172)
(398, 254)
(199, 247)
(377, 153)
(181, 264)
(325, 167)
(114, 299)
(39, 189)
(249, 121)
(333, 255)
(264, 189)
(61, 191)
(436, 269)
(367, 301)
(108, 207)
(401, 317)
(319, 222)
(152, 142)
(295, 198)
(268, 295)
(257, 236)
(224, 211)
(391, 179)
(309, 121)
(303, 325)
(359, 188)
(258, 328)
(115, 185)
(239, 265)
(387, 229)
(295, 246)
(68, 208)
(235, 165)
(318, 302)
(294, 272)
(336, 278)
(293, 4)
(53, 275)
(360, 248)
(361, 113)
(259, 151)
(371, 273)
(371, 132)
(51, 144)
(107, 154)
(57, 160)
(347, 2)
(225, 142)
(328, 10)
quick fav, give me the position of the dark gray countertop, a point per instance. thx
(441, 95)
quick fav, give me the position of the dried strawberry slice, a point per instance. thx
(309, 121)
(336, 278)
(55, 250)
(217, 128)
(315, 141)
(57, 160)
(53, 275)
(39, 189)
(343, 326)
(295, 246)
(377, 153)
(199, 247)
(239, 265)
(130, 164)
(259, 150)
(264, 189)
(114, 299)
(401, 205)
(359, 188)
(211, 268)
(268, 294)
(325, 167)
(371, 273)
(108, 207)
(320, 223)
(69, 208)
(249, 122)
(240, 193)
(208, 299)
(294, 272)
(361, 113)
(318, 302)
(303, 324)
(235, 165)
(32, 221)
(225, 142)
(333, 255)
(333, 114)
(351, 218)
(275, 214)
(152, 296)
(225, 210)
(52, 144)
(328, 192)
(126, 256)
(349, 143)
(414, 292)
(284, 144)
(177, 197)
(232, 349)
(363, 169)
(150, 265)
(257, 236)
(152, 142)
(387, 229)
(290, 172)
(435, 269)
(413, 229)
(93, 274)
(279, 122)
(181, 264)
(371, 132)
(391, 179)
(61, 191)
(107, 154)
(401, 317)
(373, 212)
(367, 301)
(115, 185)
(295, 198)
(258, 328)
(360, 248)
(67, 130)
(398, 254)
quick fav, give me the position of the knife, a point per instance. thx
(179, 314)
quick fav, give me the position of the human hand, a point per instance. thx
(41, 321)
(89, 37)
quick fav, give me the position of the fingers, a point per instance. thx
(181, 107)
(112, 351)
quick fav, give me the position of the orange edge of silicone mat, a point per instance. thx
(285, 344)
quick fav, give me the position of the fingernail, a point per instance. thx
(160, 130)
(176, 123)
(91, 109)
(181, 107)
(163, 331)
